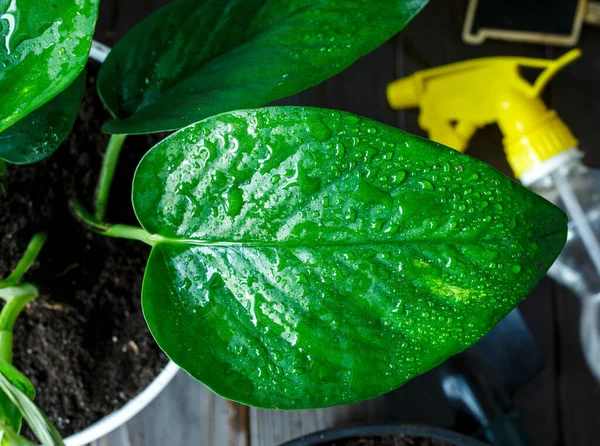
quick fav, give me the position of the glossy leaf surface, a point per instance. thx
(191, 60)
(43, 48)
(309, 258)
(39, 134)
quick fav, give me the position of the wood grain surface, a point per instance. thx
(561, 406)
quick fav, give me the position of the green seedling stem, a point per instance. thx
(110, 230)
(6, 346)
(17, 295)
(16, 298)
(109, 164)
(31, 252)
(3, 170)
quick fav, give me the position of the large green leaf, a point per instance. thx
(39, 134)
(194, 59)
(44, 45)
(306, 258)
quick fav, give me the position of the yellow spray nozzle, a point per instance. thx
(551, 68)
(403, 93)
(457, 99)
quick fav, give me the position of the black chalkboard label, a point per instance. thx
(542, 21)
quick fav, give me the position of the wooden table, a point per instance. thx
(561, 406)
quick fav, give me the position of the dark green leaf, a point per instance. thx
(8, 411)
(191, 60)
(44, 45)
(308, 258)
(43, 428)
(39, 134)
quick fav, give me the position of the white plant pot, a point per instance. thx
(116, 419)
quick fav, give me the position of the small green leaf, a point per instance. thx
(8, 411)
(43, 48)
(17, 379)
(10, 437)
(191, 60)
(40, 133)
(353, 257)
(43, 428)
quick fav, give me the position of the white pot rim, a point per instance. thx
(119, 417)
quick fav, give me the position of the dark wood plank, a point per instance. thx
(434, 38)
(119, 437)
(117, 17)
(538, 400)
(578, 391)
(107, 16)
(575, 95)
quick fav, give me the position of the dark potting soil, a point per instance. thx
(388, 440)
(83, 343)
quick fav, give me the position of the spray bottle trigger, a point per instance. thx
(455, 134)
(551, 68)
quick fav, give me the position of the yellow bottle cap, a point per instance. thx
(532, 133)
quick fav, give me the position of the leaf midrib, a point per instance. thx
(158, 239)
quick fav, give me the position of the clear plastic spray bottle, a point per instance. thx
(576, 189)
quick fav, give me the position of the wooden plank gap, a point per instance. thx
(560, 430)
